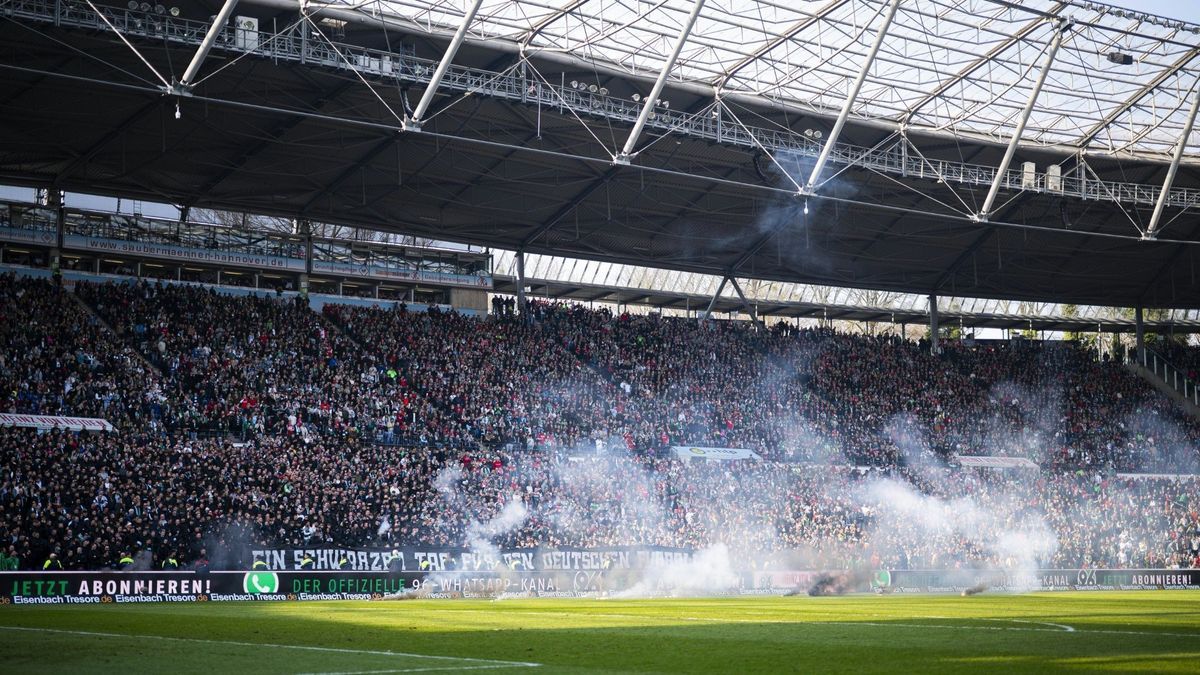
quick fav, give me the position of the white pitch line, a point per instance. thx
(1065, 627)
(493, 663)
(1059, 628)
(443, 668)
(881, 624)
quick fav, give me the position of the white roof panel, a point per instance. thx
(951, 66)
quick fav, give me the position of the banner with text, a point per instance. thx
(76, 588)
(958, 581)
(993, 462)
(688, 452)
(415, 559)
(402, 275)
(27, 236)
(54, 422)
(182, 254)
(29, 588)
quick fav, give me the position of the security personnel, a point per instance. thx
(343, 563)
(126, 562)
(395, 562)
(52, 563)
(306, 563)
(170, 563)
(259, 564)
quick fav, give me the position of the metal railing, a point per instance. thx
(256, 241)
(1175, 378)
(299, 45)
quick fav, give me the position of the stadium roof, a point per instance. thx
(523, 143)
(678, 300)
(962, 67)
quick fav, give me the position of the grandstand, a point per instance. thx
(489, 299)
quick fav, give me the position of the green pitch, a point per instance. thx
(1075, 632)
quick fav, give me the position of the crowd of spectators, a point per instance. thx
(1185, 358)
(55, 359)
(504, 381)
(263, 422)
(262, 364)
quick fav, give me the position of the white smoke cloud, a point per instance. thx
(481, 534)
(926, 527)
(709, 572)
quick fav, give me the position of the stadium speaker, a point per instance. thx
(1120, 58)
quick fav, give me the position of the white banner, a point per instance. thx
(41, 237)
(169, 252)
(689, 452)
(992, 462)
(1157, 476)
(54, 422)
(403, 275)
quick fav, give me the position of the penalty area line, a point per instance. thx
(482, 663)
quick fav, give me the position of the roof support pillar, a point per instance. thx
(54, 199)
(753, 310)
(652, 100)
(1152, 229)
(521, 308)
(713, 302)
(219, 23)
(851, 97)
(1139, 327)
(303, 227)
(414, 123)
(933, 325)
(1001, 170)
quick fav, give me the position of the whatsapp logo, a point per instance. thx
(261, 582)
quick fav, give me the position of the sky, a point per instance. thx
(1187, 10)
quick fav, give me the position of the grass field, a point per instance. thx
(1077, 632)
